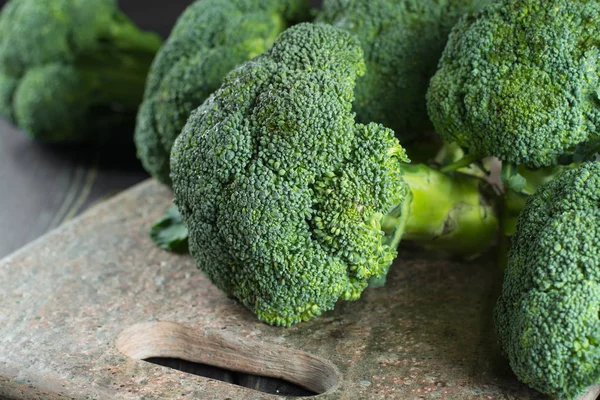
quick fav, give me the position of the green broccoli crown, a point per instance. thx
(210, 39)
(283, 193)
(402, 41)
(547, 316)
(519, 81)
(64, 63)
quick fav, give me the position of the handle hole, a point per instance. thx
(255, 382)
(212, 353)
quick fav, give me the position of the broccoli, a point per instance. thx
(67, 66)
(291, 204)
(402, 41)
(547, 316)
(209, 39)
(519, 81)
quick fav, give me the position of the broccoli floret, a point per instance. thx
(402, 41)
(519, 81)
(209, 39)
(68, 66)
(292, 205)
(547, 316)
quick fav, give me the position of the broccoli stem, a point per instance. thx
(448, 213)
(115, 73)
(121, 87)
(462, 163)
(126, 36)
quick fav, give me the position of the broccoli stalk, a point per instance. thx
(448, 213)
(442, 213)
(121, 33)
(115, 79)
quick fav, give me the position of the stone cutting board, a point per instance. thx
(82, 307)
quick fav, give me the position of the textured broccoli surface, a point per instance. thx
(69, 65)
(291, 205)
(519, 80)
(547, 316)
(402, 41)
(209, 39)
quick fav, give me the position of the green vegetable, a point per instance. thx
(70, 70)
(291, 204)
(547, 316)
(519, 80)
(210, 39)
(170, 232)
(402, 41)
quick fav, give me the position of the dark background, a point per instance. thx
(43, 186)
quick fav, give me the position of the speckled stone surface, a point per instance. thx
(64, 299)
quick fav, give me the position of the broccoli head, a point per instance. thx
(69, 65)
(210, 39)
(402, 41)
(547, 316)
(519, 80)
(291, 205)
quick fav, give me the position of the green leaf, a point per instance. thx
(516, 182)
(512, 179)
(170, 233)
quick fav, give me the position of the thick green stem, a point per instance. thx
(448, 213)
(462, 163)
(115, 73)
(126, 36)
(119, 88)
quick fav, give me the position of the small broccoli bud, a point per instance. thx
(209, 39)
(547, 316)
(70, 70)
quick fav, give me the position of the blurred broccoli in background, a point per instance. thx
(402, 41)
(71, 70)
(209, 39)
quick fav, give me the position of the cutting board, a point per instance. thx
(84, 307)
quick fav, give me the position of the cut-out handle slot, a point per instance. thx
(221, 349)
(260, 383)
